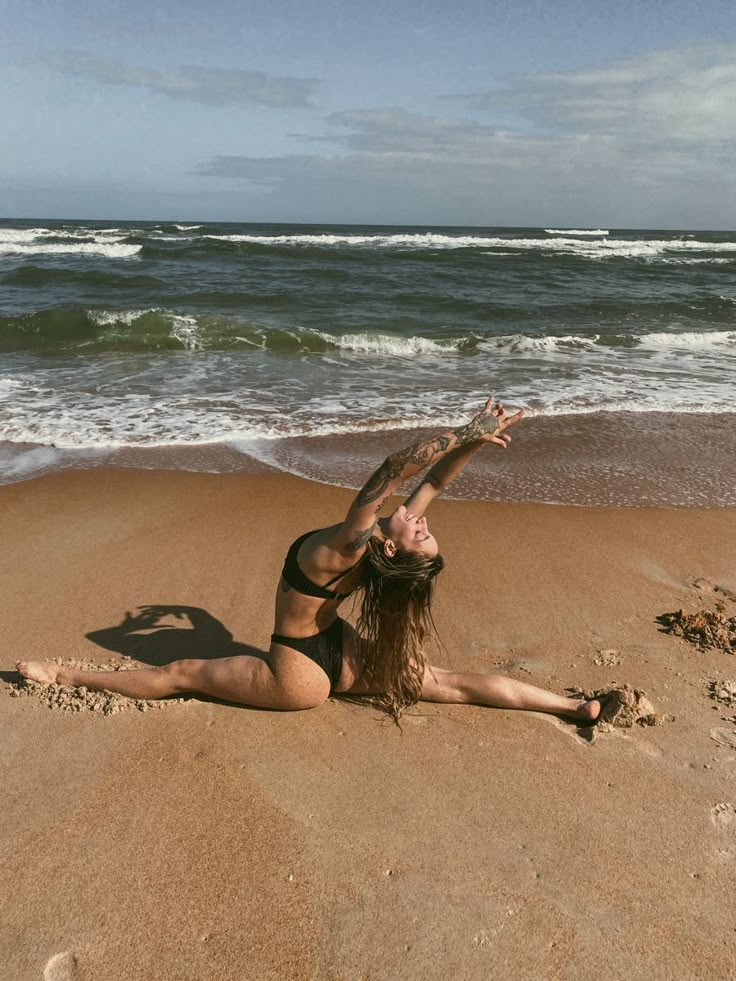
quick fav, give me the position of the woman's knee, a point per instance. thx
(182, 674)
(440, 685)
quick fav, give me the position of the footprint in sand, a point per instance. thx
(706, 586)
(61, 967)
(724, 817)
(607, 659)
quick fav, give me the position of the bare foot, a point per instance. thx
(45, 672)
(588, 711)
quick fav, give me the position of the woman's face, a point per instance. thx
(409, 532)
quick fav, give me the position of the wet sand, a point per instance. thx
(212, 841)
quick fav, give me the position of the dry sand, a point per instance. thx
(211, 841)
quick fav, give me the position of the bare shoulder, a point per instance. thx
(350, 537)
(326, 552)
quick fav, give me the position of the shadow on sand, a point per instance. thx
(146, 638)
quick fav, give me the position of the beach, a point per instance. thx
(212, 841)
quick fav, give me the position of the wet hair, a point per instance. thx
(395, 619)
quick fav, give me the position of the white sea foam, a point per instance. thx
(593, 248)
(106, 318)
(186, 330)
(213, 397)
(98, 235)
(577, 231)
(110, 250)
(9, 386)
(612, 343)
(18, 235)
(522, 344)
(391, 345)
(168, 422)
(428, 240)
(684, 261)
(588, 243)
(22, 463)
(689, 340)
(623, 248)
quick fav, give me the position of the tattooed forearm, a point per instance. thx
(361, 538)
(403, 464)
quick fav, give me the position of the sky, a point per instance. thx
(482, 112)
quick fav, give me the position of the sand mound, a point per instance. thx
(706, 629)
(61, 967)
(82, 699)
(622, 706)
(723, 691)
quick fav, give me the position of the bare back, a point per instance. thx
(299, 615)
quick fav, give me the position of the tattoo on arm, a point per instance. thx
(476, 429)
(361, 538)
(391, 471)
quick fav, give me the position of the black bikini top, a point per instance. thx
(294, 576)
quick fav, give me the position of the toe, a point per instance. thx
(594, 709)
(589, 711)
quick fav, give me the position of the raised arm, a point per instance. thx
(439, 477)
(455, 445)
(446, 469)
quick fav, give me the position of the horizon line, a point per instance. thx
(361, 224)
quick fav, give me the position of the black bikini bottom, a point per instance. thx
(324, 648)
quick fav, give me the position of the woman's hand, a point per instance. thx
(489, 425)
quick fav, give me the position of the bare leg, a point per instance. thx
(242, 678)
(500, 691)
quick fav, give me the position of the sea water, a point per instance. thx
(319, 349)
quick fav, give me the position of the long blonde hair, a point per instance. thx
(395, 619)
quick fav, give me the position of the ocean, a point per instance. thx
(317, 350)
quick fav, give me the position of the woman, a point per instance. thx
(394, 561)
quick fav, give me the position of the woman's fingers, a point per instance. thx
(500, 415)
(510, 420)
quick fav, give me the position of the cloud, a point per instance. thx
(683, 95)
(644, 142)
(192, 83)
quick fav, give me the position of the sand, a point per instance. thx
(211, 841)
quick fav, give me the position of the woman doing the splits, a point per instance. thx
(393, 561)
